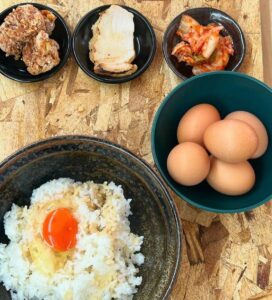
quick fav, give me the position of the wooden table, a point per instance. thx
(223, 256)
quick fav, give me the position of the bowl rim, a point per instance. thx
(62, 63)
(123, 79)
(165, 44)
(153, 146)
(8, 161)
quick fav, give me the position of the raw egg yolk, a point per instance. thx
(60, 229)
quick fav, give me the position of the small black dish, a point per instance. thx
(16, 69)
(204, 15)
(144, 43)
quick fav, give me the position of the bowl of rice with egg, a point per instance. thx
(84, 219)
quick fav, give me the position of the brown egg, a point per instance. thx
(188, 163)
(193, 124)
(258, 127)
(232, 141)
(231, 179)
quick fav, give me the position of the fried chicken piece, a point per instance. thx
(20, 26)
(23, 23)
(41, 54)
(10, 46)
(49, 19)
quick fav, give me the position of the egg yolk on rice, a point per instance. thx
(60, 229)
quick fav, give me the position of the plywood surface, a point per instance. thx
(266, 23)
(224, 256)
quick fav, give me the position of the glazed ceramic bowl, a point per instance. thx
(227, 91)
(84, 158)
(204, 15)
(16, 69)
(144, 44)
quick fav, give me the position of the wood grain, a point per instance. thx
(223, 256)
(266, 22)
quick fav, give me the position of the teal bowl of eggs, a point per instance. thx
(211, 141)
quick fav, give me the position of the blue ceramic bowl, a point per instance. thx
(228, 91)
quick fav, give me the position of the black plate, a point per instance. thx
(16, 69)
(144, 43)
(204, 16)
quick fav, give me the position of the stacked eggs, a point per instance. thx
(217, 150)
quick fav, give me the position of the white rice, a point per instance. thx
(103, 265)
